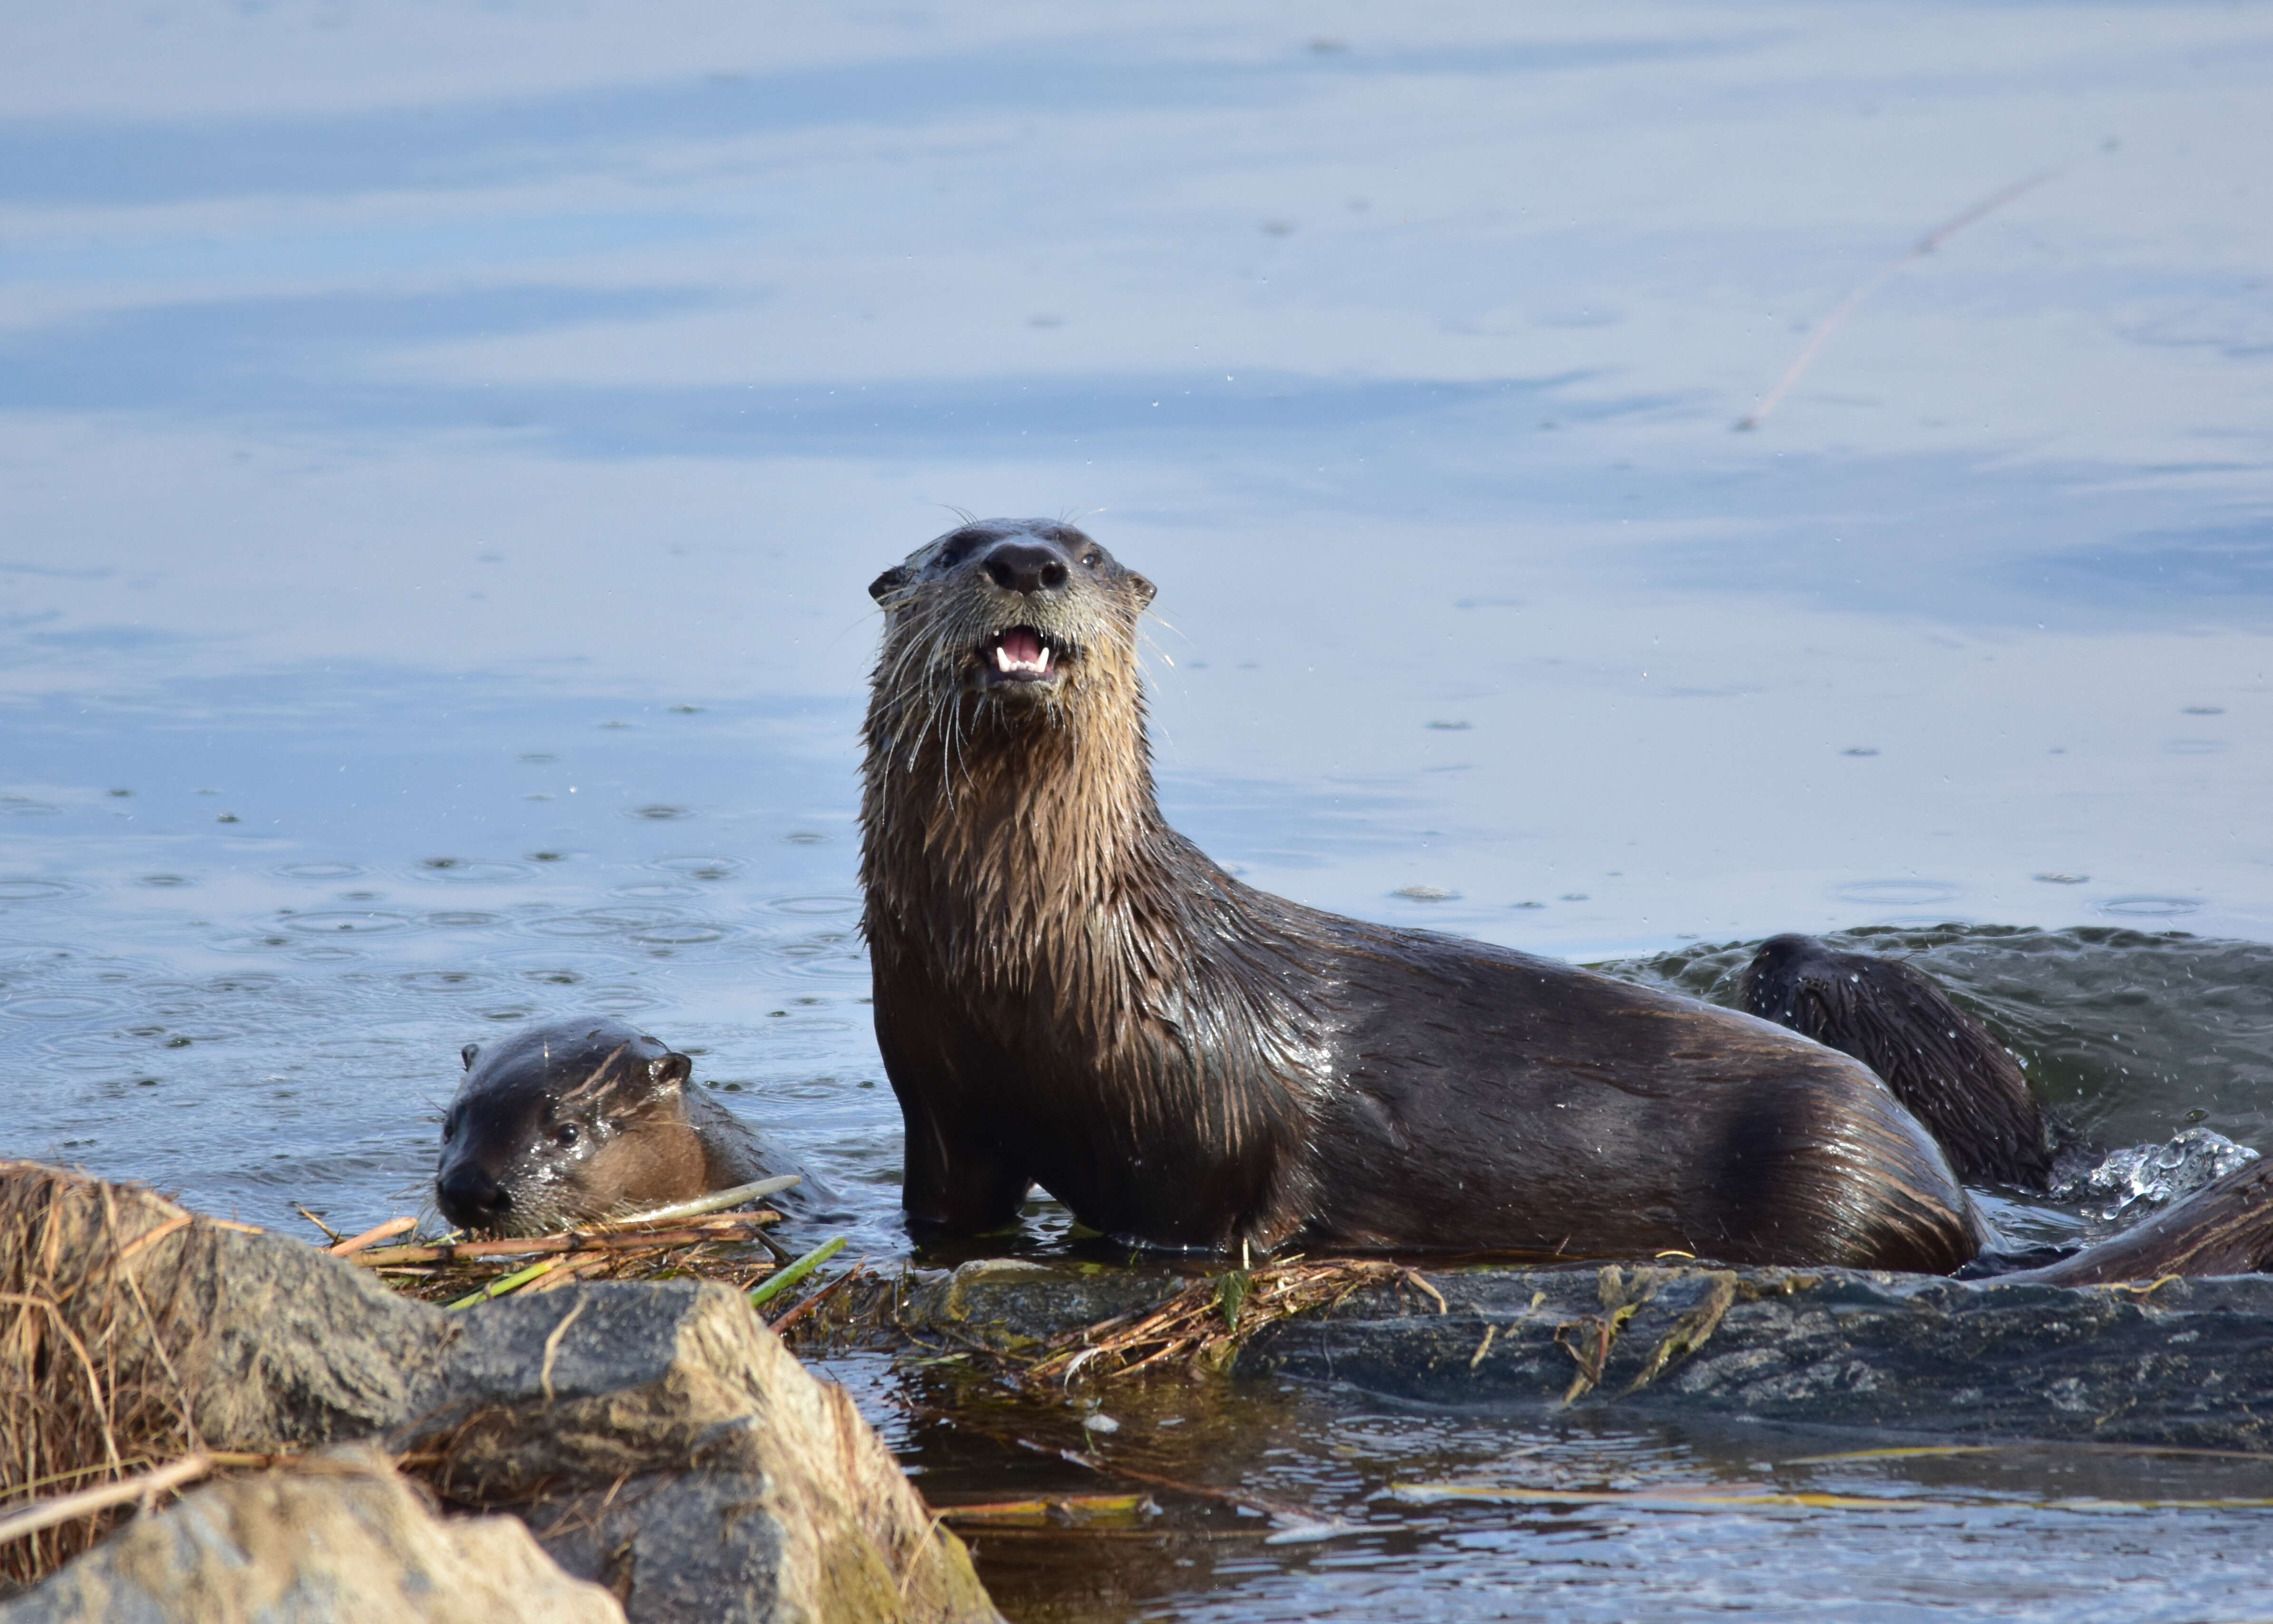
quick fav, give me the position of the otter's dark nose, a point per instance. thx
(1025, 566)
(470, 1199)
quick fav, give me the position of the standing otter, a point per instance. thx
(1067, 992)
(578, 1121)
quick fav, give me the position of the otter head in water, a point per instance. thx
(577, 1121)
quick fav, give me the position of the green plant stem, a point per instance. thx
(789, 1274)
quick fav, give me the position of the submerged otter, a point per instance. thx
(1069, 993)
(1955, 1077)
(582, 1121)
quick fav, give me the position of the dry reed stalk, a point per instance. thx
(781, 1327)
(711, 1247)
(145, 1487)
(1203, 1326)
(373, 1236)
(1060, 1510)
(597, 1239)
(1821, 334)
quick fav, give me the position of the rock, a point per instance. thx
(655, 1435)
(2178, 1361)
(2183, 1361)
(338, 1539)
(271, 1344)
(1011, 1303)
(688, 1459)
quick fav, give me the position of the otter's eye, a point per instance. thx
(956, 549)
(1091, 560)
(565, 1133)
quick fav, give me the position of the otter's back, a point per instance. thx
(1533, 1106)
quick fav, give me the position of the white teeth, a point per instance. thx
(1040, 665)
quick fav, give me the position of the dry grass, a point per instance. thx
(1203, 1327)
(730, 1247)
(90, 1324)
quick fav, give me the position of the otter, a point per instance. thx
(1068, 994)
(1968, 1088)
(578, 1121)
(1939, 1061)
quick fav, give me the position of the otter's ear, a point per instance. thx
(1145, 590)
(671, 1071)
(467, 1053)
(890, 581)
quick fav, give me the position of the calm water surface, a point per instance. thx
(442, 455)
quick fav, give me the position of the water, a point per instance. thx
(444, 451)
(2031, 1532)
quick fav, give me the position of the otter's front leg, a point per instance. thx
(957, 1173)
(954, 1180)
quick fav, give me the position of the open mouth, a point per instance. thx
(1020, 654)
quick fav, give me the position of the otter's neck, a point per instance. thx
(1018, 849)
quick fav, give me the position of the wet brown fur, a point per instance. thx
(579, 1121)
(1067, 992)
(1963, 1084)
(2224, 1228)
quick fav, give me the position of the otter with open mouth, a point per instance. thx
(1069, 993)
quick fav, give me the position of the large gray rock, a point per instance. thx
(657, 1437)
(686, 1459)
(337, 1539)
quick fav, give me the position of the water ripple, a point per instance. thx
(2149, 907)
(28, 889)
(470, 871)
(1897, 892)
(813, 905)
(345, 922)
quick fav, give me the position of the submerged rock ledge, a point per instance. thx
(2177, 1361)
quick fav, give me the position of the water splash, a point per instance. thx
(2154, 1174)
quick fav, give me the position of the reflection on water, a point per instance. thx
(2031, 1532)
(442, 452)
